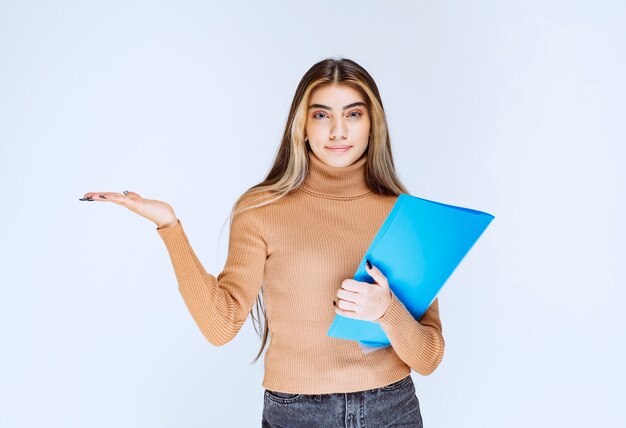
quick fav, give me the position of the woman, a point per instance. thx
(295, 242)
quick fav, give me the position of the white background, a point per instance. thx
(513, 108)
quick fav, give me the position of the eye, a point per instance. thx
(316, 113)
(356, 112)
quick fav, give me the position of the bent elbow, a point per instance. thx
(437, 357)
(221, 336)
(218, 341)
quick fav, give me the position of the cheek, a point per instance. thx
(367, 125)
(362, 128)
(314, 130)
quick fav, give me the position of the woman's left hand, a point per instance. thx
(362, 300)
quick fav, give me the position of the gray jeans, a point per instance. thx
(393, 405)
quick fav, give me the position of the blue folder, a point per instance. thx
(419, 245)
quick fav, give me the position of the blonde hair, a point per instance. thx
(291, 162)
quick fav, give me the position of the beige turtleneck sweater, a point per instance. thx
(301, 247)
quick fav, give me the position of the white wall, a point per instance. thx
(514, 108)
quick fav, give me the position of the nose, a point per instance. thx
(338, 130)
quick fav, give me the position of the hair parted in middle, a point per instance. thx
(291, 163)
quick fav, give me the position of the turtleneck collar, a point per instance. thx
(336, 182)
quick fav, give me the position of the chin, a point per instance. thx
(341, 160)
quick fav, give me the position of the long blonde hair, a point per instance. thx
(291, 162)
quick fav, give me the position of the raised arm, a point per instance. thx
(220, 305)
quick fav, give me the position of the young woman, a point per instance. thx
(295, 241)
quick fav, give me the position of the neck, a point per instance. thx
(336, 182)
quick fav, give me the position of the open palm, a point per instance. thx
(159, 212)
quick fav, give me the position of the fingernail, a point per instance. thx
(334, 303)
(85, 199)
(369, 265)
(103, 197)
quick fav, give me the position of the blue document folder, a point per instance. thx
(419, 245)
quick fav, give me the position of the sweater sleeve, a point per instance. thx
(220, 305)
(419, 344)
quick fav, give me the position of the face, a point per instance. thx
(337, 116)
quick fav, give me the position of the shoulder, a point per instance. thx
(251, 196)
(253, 201)
(249, 211)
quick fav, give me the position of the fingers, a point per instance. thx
(109, 196)
(102, 196)
(348, 296)
(346, 305)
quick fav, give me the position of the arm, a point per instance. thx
(220, 305)
(420, 343)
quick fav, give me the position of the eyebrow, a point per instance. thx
(358, 103)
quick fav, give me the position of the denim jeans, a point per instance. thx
(393, 405)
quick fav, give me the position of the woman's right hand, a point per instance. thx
(161, 213)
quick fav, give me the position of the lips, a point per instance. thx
(338, 148)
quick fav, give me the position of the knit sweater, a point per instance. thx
(301, 248)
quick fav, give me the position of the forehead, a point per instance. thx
(335, 95)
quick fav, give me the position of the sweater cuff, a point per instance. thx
(171, 234)
(395, 312)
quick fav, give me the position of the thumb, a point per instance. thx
(132, 195)
(376, 274)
